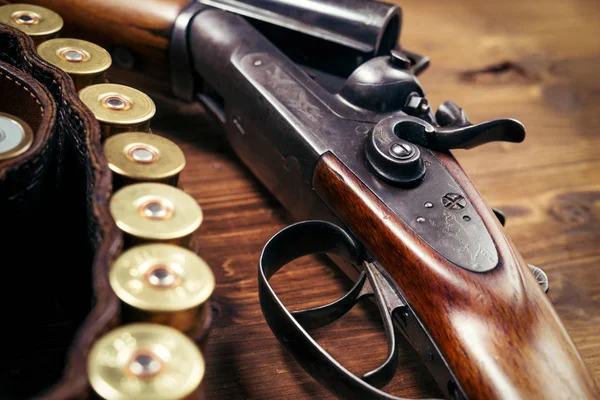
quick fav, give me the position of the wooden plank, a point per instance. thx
(532, 60)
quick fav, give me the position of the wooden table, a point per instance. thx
(535, 61)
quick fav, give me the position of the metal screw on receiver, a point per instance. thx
(401, 151)
(141, 157)
(119, 108)
(85, 62)
(541, 277)
(164, 284)
(392, 159)
(454, 201)
(145, 361)
(40, 23)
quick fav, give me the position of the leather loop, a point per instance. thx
(21, 176)
(59, 230)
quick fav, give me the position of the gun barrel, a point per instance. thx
(364, 25)
(496, 331)
(331, 35)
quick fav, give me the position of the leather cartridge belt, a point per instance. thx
(59, 237)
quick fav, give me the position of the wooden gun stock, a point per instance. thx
(497, 330)
(136, 33)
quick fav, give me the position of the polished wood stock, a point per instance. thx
(140, 29)
(498, 331)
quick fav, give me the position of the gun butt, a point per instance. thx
(497, 330)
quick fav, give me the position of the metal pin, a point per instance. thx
(401, 150)
(540, 276)
(162, 276)
(145, 364)
(26, 18)
(156, 209)
(116, 102)
(143, 154)
(73, 55)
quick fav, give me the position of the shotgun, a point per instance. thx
(324, 106)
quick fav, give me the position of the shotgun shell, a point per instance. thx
(118, 108)
(145, 361)
(85, 62)
(16, 136)
(38, 22)
(155, 212)
(143, 157)
(164, 284)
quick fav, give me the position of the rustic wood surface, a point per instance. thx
(536, 61)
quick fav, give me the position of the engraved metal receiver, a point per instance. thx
(396, 151)
(292, 328)
(343, 132)
(324, 107)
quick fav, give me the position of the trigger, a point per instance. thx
(388, 300)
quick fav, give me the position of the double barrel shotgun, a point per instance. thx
(324, 106)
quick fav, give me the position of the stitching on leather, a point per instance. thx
(74, 383)
(28, 62)
(24, 87)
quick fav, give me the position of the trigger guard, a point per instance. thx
(317, 317)
(295, 241)
(304, 238)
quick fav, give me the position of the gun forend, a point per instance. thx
(370, 27)
(496, 330)
(136, 33)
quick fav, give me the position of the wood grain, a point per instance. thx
(489, 327)
(136, 33)
(533, 60)
(549, 187)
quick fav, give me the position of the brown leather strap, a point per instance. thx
(64, 239)
(63, 236)
(26, 99)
